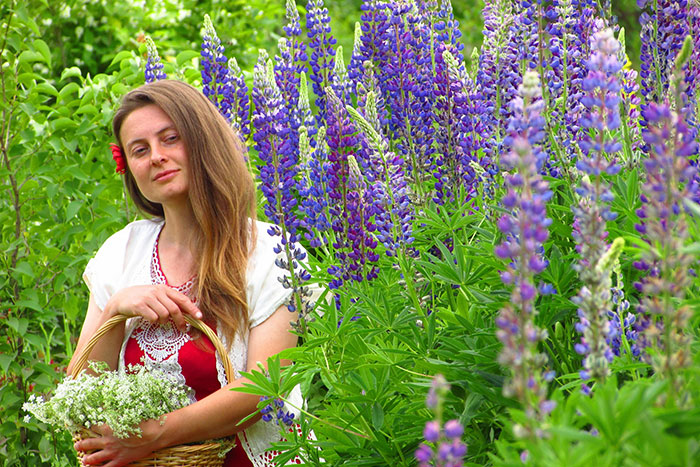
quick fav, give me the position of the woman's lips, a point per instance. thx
(165, 175)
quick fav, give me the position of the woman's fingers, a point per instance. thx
(184, 303)
(156, 303)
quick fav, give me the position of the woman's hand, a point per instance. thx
(154, 303)
(110, 451)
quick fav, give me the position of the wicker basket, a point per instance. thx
(206, 453)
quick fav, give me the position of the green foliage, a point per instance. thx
(621, 425)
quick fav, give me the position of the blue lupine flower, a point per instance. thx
(375, 37)
(457, 137)
(447, 30)
(664, 27)
(525, 230)
(601, 100)
(278, 183)
(350, 199)
(240, 107)
(670, 181)
(498, 76)
(315, 201)
(275, 408)
(391, 205)
(322, 45)
(578, 50)
(154, 67)
(356, 60)
(216, 81)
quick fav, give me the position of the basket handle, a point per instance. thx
(81, 362)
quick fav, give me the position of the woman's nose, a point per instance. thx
(158, 155)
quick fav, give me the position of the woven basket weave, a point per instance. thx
(207, 453)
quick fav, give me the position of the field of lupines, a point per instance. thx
(501, 248)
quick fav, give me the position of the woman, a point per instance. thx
(201, 256)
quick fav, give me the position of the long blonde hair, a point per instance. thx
(221, 191)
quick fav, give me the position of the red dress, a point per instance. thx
(186, 359)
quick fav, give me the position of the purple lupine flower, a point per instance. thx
(391, 206)
(443, 447)
(315, 202)
(278, 173)
(629, 107)
(291, 65)
(240, 107)
(526, 27)
(356, 60)
(350, 199)
(664, 27)
(601, 99)
(438, 388)
(455, 149)
(498, 76)
(408, 90)
(154, 67)
(620, 326)
(374, 40)
(400, 69)
(670, 181)
(692, 72)
(322, 45)
(525, 230)
(359, 241)
(274, 410)
(578, 50)
(216, 81)
(447, 30)
(288, 80)
(340, 80)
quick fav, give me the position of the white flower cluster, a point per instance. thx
(120, 399)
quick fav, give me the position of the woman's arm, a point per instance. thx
(215, 416)
(107, 349)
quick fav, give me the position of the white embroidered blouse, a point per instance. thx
(125, 260)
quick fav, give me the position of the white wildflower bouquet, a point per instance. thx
(120, 399)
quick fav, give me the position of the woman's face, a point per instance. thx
(156, 155)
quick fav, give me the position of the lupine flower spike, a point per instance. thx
(525, 230)
(670, 183)
(443, 446)
(601, 100)
(154, 67)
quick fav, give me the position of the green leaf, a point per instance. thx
(18, 324)
(43, 50)
(68, 89)
(24, 268)
(683, 423)
(63, 123)
(30, 56)
(377, 416)
(73, 208)
(185, 56)
(5, 360)
(70, 73)
(124, 54)
(46, 88)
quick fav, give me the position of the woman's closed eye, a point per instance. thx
(171, 138)
(137, 151)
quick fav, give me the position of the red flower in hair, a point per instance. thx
(118, 158)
